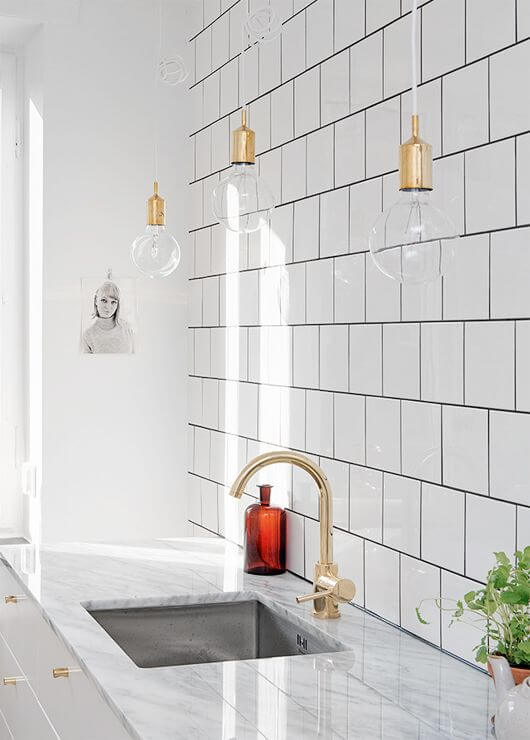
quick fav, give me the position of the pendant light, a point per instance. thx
(409, 239)
(156, 252)
(242, 201)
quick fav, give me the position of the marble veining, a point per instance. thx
(384, 684)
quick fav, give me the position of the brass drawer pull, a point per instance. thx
(14, 599)
(13, 680)
(64, 672)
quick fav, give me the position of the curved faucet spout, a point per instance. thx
(318, 475)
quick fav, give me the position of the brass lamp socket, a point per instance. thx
(243, 143)
(415, 161)
(156, 209)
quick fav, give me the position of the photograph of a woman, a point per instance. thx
(108, 328)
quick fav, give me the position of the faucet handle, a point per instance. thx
(340, 589)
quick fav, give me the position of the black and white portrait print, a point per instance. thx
(108, 323)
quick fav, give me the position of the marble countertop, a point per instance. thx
(386, 685)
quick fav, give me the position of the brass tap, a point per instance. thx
(329, 589)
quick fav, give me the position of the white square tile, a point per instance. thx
(270, 169)
(212, 9)
(283, 8)
(195, 303)
(335, 87)
(293, 418)
(366, 359)
(271, 286)
(320, 149)
(210, 301)
(306, 229)
(260, 120)
(349, 22)
(293, 47)
(349, 150)
(334, 358)
(465, 107)
(443, 42)
(209, 184)
(248, 410)
(442, 535)
(311, 547)
(381, 572)
(201, 458)
(209, 505)
(397, 56)
(523, 179)
(248, 298)
(334, 222)
(305, 495)
(349, 428)
(203, 153)
(458, 638)
(510, 111)
(196, 197)
(430, 105)
(418, 579)
(523, 366)
(448, 193)
(382, 294)
(250, 83)
(306, 356)
(383, 127)
(465, 444)
(381, 12)
(421, 440)
(212, 97)
(220, 145)
(220, 41)
(269, 399)
(195, 400)
(320, 292)
(490, 528)
(488, 207)
(319, 24)
(366, 502)
(383, 434)
(295, 543)
(307, 102)
(203, 54)
(269, 65)
(466, 283)
(402, 514)
(442, 347)
(210, 403)
(490, 26)
(489, 371)
(202, 252)
(523, 527)
(349, 551)
(194, 498)
(510, 456)
(319, 416)
(422, 301)
(366, 72)
(401, 367)
(338, 474)
(282, 114)
(349, 288)
(523, 20)
(510, 274)
(196, 107)
(294, 164)
(366, 203)
(202, 352)
(281, 235)
(237, 18)
(293, 308)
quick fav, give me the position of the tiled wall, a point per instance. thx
(415, 400)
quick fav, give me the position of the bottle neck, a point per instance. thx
(265, 494)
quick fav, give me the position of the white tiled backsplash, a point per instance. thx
(415, 400)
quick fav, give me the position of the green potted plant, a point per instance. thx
(500, 610)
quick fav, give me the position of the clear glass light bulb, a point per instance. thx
(242, 201)
(156, 252)
(413, 241)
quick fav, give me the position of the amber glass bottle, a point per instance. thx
(265, 529)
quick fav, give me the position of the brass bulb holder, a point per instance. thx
(243, 143)
(415, 161)
(156, 208)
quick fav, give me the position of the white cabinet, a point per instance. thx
(41, 706)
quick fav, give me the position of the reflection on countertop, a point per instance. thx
(387, 685)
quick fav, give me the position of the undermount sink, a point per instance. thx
(210, 632)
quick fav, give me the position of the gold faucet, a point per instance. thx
(329, 589)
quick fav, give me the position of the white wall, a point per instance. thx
(416, 401)
(113, 426)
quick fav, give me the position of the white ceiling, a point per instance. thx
(15, 32)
